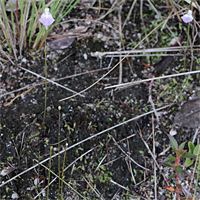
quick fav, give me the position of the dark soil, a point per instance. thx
(80, 118)
(24, 140)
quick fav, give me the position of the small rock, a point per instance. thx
(189, 114)
(15, 196)
(85, 56)
(173, 132)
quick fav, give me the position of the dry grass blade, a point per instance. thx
(152, 79)
(149, 150)
(6, 55)
(100, 163)
(7, 104)
(129, 13)
(121, 42)
(142, 51)
(128, 155)
(128, 163)
(194, 4)
(115, 5)
(152, 103)
(23, 30)
(154, 153)
(49, 80)
(8, 30)
(96, 192)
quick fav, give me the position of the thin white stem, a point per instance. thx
(51, 81)
(150, 79)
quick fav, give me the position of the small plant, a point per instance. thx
(19, 26)
(196, 151)
(46, 19)
(174, 163)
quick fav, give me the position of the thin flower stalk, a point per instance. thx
(46, 19)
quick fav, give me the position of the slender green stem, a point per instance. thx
(197, 179)
(188, 35)
(59, 108)
(66, 145)
(45, 101)
(190, 4)
(49, 172)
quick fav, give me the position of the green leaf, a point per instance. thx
(181, 146)
(188, 155)
(170, 158)
(191, 147)
(188, 162)
(174, 80)
(173, 142)
(101, 143)
(171, 176)
(196, 149)
(179, 187)
(179, 170)
(168, 164)
(198, 166)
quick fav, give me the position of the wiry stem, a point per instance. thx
(45, 101)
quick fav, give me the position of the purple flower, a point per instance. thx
(46, 18)
(187, 17)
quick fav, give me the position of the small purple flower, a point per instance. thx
(187, 17)
(46, 18)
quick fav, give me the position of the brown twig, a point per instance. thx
(7, 104)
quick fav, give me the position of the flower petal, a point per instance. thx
(187, 17)
(46, 19)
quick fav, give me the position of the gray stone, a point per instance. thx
(189, 114)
